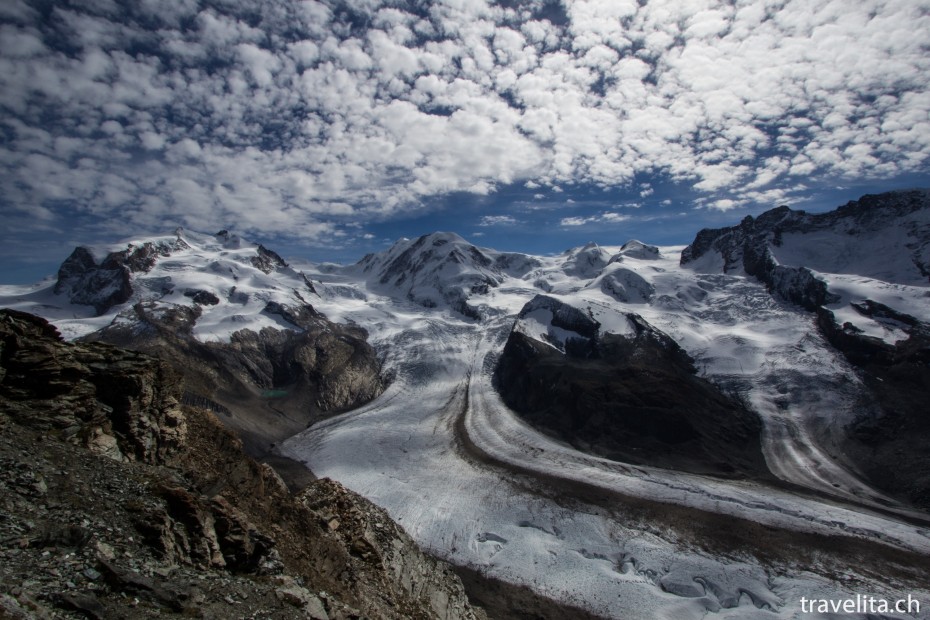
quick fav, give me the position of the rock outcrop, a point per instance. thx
(887, 440)
(270, 384)
(119, 502)
(756, 245)
(747, 247)
(108, 283)
(633, 397)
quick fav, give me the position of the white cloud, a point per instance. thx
(607, 217)
(291, 116)
(497, 220)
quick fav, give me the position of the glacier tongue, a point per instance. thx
(476, 485)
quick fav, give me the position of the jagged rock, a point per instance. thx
(125, 580)
(307, 602)
(386, 556)
(108, 283)
(746, 247)
(634, 398)
(118, 402)
(54, 535)
(301, 316)
(267, 260)
(86, 604)
(204, 298)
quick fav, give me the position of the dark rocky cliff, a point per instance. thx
(267, 385)
(118, 502)
(108, 283)
(635, 399)
(888, 439)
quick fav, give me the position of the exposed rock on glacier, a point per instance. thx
(631, 396)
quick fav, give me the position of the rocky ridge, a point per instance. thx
(756, 244)
(632, 397)
(117, 501)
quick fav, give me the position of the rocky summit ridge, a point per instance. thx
(117, 501)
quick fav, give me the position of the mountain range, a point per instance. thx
(627, 431)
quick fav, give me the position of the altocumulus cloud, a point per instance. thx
(290, 117)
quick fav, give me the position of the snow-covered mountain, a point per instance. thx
(230, 315)
(228, 283)
(639, 431)
(440, 270)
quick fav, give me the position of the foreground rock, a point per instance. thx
(119, 502)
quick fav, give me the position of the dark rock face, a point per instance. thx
(888, 441)
(204, 298)
(119, 403)
(267, 260)
(302, 316)
(749, 245)
(108, 284)
(178, 521)
(270, 384)
(633, 399)
(563, 315)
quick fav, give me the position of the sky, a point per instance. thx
(326, 130)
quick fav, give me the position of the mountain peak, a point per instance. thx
(444, 237)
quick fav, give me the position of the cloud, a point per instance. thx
(497, 220)
(607, 217)
(301, 118)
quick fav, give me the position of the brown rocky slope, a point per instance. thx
(117, 502)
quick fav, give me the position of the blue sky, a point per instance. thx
(328, 129)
